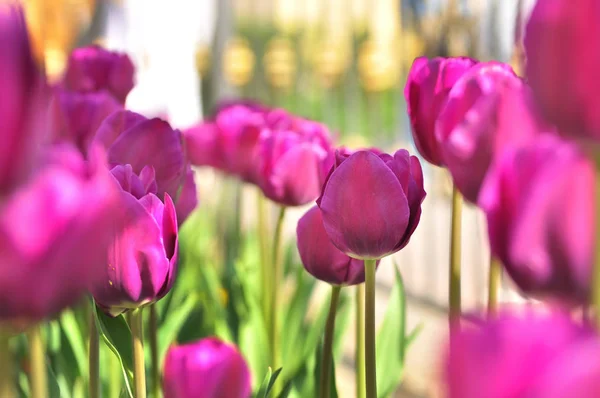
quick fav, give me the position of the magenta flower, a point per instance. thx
(488, 109)
(371, 203)
(563, 64)
(55, 230)
(539, 203)
(208, 368)
(427, 87)
(188, 197)
(295, 157)
(94, 68)
(535, 356)
(142, 260)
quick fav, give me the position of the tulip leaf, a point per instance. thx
(174, 321)
(72, 332)
(268, 382)
(116, 334)
(342, 320)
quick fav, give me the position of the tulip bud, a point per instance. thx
(371, 203)
(539, 204)
(142, 260)
(94, 68)
(535, 356)
(209, 368)
(426, 91)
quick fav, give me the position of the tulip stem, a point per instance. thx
(39, 378)
(94, 356)
(139, 370)
(360, 342)
(275, 283)
(455, 254)
(6, 367)
(326, 364)
(370, 350)
(596, 279)
(494, 282)
(156, 387)
(265, 261)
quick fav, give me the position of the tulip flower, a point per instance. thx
(563, 64)
(427, 87)
(94, 68)
(321, 258)
(55, 230)
(539, 204)
(188, 197)
(208, 368)
(533, 356)
(488, 109)
(142, 259)
(295, 156)
(371, 204)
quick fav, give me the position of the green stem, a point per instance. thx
(265, 260)
(6, 367)
(596, 280)
(276, 280)
(328, 343)
(39, 378)
(370, 351)
(360, 342)
(115, 376)
(455, 242)
(94, 357)
(494, 282)
(139, 370)
(156, 387)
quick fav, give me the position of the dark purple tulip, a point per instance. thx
(295, 157)
(94, 68)
(488, 109)
(188, 197)
(539, 203)
(427, 87)
(55, 230)
(142, 260)
(371, 203)
(202, 147)
(532, 356)
(321, 258)
(22, 103)
(563, 64)
(208, 368)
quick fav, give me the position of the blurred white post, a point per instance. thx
(162, 38)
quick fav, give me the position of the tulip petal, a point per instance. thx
(188, 197)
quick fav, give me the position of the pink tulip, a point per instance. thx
(427, 87)
(539, 203)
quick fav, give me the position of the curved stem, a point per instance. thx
(370, 351)
(94, 357)
(156, 387)
(7, 388)
(455, 253)
(360, 342)
(39, 379)
(277, 276)
(494, 282)
(139, 370)
(326, 364)
(596, 280)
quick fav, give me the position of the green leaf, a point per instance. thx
(75, 338)
(391, 342)
(173, 322)
(268, 382)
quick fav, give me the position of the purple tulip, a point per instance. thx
(142, 260)
(563, 64)
(208, 368)
(202, 146)
(94, 68)
(55, 230)
(488, 109)
(533, 356)
(295, 157)
(22, 102)
(371, 203)
(188, 197)
(427, 87)
(539, 203)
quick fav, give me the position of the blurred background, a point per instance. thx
(342, 62)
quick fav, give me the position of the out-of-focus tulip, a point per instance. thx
(94, 68)
(563, 64)
(539, 203)
(427, 87)
(22, 102)
(142, 260)
(295, 156)
(55, 230)
(187, 199)
(533, 356)
(488, 109)
(371, 203)
(321, 258)
(209, 368)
